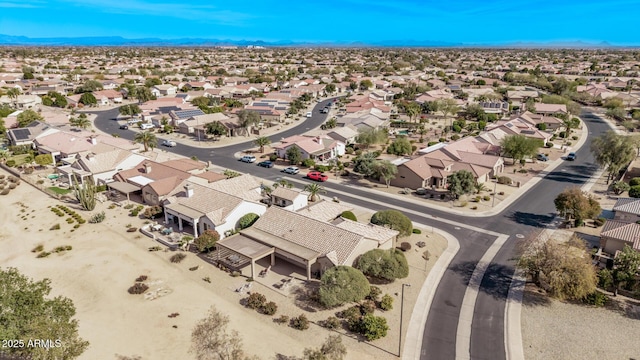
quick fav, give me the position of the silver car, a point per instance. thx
(291, 170)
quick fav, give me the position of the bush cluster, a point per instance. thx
(386, 303)
(394, 219)
(599, 221)
(301, 322)
(384, 264)
(97, 218)
(136, 211)
(138, 288)
(416, 231)
(504, 180)
(349, 215)
(331, 323)
(177, 258)
(342, 284)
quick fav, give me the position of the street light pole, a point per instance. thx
(495, 185)
(401, 313)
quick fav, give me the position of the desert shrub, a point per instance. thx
(350, 313)
(152, 211)
(367, 307)
(43, 254)
(308, 163)
(177, 258)
(342, 284)
(474, 208)
(301, 322)
(2, 176)
(269, 308)
(504, 180)
(394, 219)
(283, 319)
(155, 248)
(416, 231)
(599, 221)
(635, 181)
(321, 168)
(141, 278)
(38, 248)
(486, 198)
(331, 323)
(4, 192)
(619, 187)
(634, 192)
(349, 215)
(247, 220)
(374, 293)
(55, 227)
(273, 157)
(373, 327)
(11, 163)
(255, 300)
(405, 246)
(128, 206)
(138, 288)
(384, 264)
(40, 182)
(386, 303)
(97, 218)
(76, 226)
(596, 298)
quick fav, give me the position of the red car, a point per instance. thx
(317, 176)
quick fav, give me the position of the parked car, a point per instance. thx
(266, 163)
(291, 170)
(317, 176)
(146, 126)
(168, 143)
(309, 114)
(248, 159)
(542, 157)
(572, 156)
(325, 110)
(124, 127)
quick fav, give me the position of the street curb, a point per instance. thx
(415, 331)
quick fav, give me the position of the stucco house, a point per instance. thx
(201, 208)
(288, 199)
(319, 148)
(622, 230)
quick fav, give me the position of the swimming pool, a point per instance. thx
(53, 176)
(403, 132)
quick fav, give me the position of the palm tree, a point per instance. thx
(262, 142)
(314, 190)
(283, 183)
(81, 121)
(146, 138)
(13, 94)
(480, 187)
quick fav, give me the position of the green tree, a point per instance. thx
(28, 313)
(460, 183)
(330, 88)
(207, 240)
(448, 107)
(58, 99)
(395, 220)
(143, 94)
(88, 99)
(13, 93)
(247, 220)
(619, 187)
(215, 128)
(613, 152)
(373, 327)
(262, 142)
(365, 164)
(147, 139)
(625, 268)
(518, 147)
(130, 109)
(400, 146)
(331, 349)
(294, 155)
(314, 190)
(248, 119)
(44, 159)
(385, 170)
(385, 265)
(368, 137)
(366, 84)
(412, 109)
(342, 284)
(27, 117)
(151, 82)
(89, 86)
(572, 203)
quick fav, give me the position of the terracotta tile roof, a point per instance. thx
(284, 193)
(211, 176)
(185, 164)
(628, 205)
(370, 231)
(313, 234)
(244, 186)
(163, 178)
(324, 210)
(420, 167)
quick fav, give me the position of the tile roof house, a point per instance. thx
(22, 101)
(203, 208)
(346, 134)
(497, 131)
(318, 148)
(623, 229)
(64, 144)
(164, 90)
(432, 169)
(244, 186)
(29, 134)
(365, 119)
(550, 122)
(102, 163)
(289, 199)
(551, 109)
(108, 97)
(154, 180)
(313, 244)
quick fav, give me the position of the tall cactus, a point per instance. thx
(86, 194)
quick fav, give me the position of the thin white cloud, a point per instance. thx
(18, 5)
(186, 11)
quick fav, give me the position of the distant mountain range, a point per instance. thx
(8, 40)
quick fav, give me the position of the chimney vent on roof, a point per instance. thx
(188, 190)
(147, 168)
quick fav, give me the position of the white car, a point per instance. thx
(309, 114)
(291, 170)
(248, 159)
(146, 126)
(168, 143)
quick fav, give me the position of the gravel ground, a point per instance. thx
(552, 329)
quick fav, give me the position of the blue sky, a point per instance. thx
(459, 21)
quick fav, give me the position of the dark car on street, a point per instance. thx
(572, 156)
(267, 164)
(124, 127)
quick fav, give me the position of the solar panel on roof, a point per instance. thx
(188, 113)
(21, 134)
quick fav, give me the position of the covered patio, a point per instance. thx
(184, 215)
(118, 189)
(238, 251)
(67, 173)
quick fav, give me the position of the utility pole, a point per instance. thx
(401, 313)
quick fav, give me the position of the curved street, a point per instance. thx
(529, 214)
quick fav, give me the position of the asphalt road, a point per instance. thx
(529, 214)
